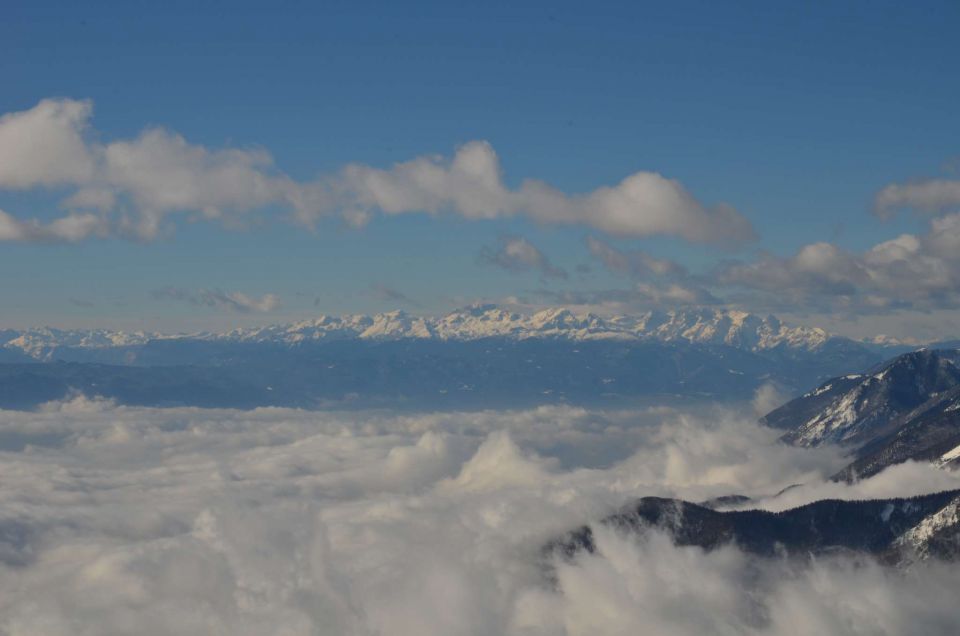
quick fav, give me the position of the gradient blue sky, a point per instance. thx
(797, 116)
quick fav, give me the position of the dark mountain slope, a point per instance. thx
(890, 529)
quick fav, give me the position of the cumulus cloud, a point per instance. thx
(162, 173)
(470, 183)
(928, 196)
(517, 254)
(141, 182)
(230, 301)
(189, 521)
(910, 271)
(45, 146)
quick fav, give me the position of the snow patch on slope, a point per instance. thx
(918, 538)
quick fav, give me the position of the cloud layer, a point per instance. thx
(187, 521)
(135, 187)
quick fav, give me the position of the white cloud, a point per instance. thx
(929, 196)
(162, 173)
(190, 521)
(141, 182)
(45, 146)
(907, 272)
(470, 184)
(67, 229)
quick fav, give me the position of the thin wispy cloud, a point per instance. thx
(657, 282)
(517, 255)
(237, 302)
(634, 263)
(390, 294)
(71, 228)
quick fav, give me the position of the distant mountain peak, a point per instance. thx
(733, 328)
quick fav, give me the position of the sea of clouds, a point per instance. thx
(120, 520)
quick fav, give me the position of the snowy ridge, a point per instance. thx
(898, 531)
(948, 457)
(705, 326)
(856, 408)
(37, 343)
(945, 521)
(733, 328)
(836, 423)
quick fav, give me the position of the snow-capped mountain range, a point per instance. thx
(704, 326)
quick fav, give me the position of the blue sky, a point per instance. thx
(797, 117)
